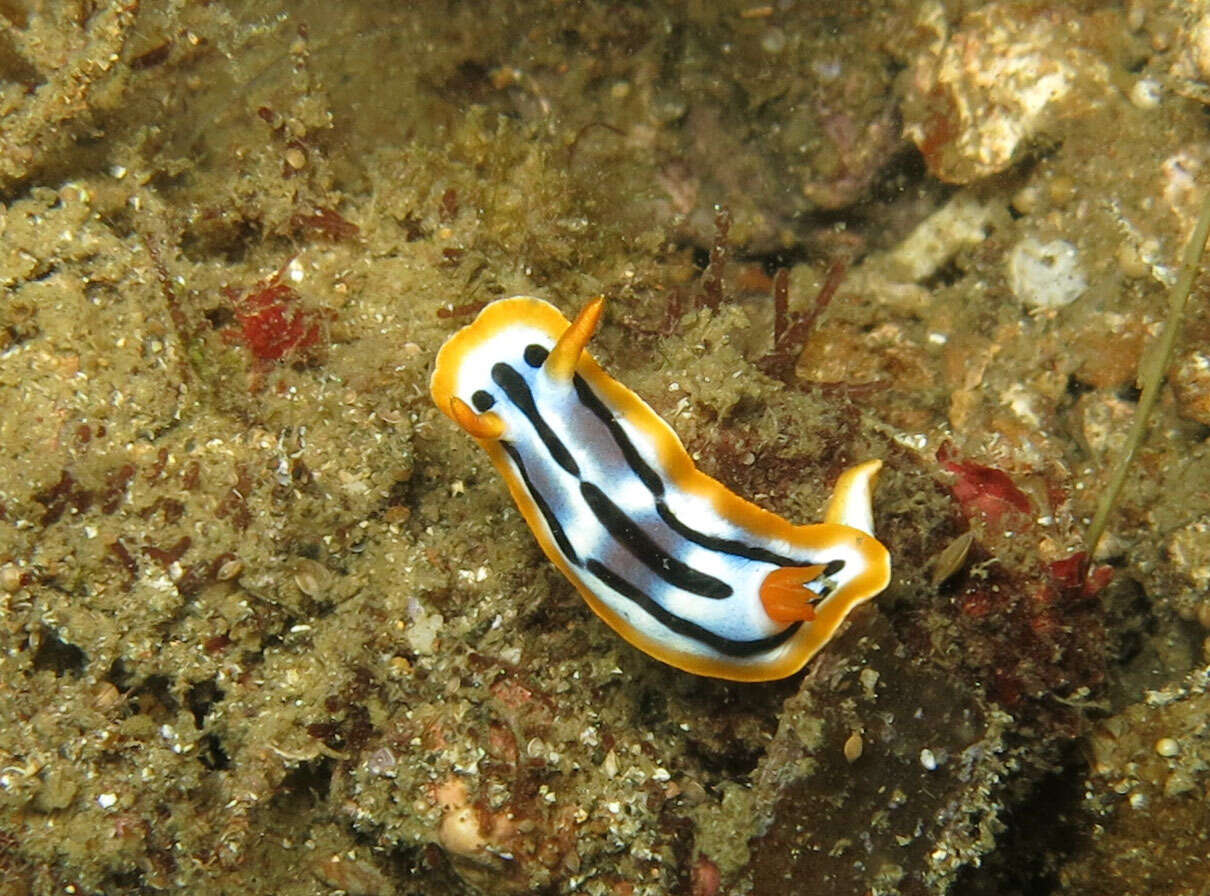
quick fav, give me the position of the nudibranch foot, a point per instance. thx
(667, 556)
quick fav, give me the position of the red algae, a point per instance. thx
(272, 323)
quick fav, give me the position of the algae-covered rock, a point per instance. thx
(270, 624)
(1150, 768)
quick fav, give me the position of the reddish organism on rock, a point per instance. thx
(1075, 576)
(790, 336)
(445, 312)
(981, 490)
(705, 879)
(1032, 627)
(272, 323)
(325, 222)
(1033, 632)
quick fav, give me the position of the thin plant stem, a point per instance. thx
(1152, 375)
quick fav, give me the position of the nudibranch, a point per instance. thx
(673, 561)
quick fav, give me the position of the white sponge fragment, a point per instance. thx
(1045, 275)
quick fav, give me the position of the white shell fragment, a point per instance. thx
(961, 222)
(1045, 275)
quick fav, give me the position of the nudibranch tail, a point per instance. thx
(667, 556)
(565, 356)
(482, 426)
(852, 501)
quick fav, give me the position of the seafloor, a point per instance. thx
(270, 622)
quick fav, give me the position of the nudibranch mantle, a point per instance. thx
(673, 561)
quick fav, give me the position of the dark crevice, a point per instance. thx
(906, 169)
(58, 656)
(153, 696)
(309, 781)
(1042, 830)
(946, 275)
(200, 698)
(119, 676)
(1076, 387)
(211, 753)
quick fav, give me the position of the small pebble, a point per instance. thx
(1146, 93)
(773, 41)
(230, 570)
(1190, 379)
(694, 792)
(1136, 15)
(1062, 189)
(459, 833)
(397, 513)
(306, 583)
(106, 696)
(952, 558)
(869, 681)
(1167, 747)
(296, 158)
(1026, 200)
(1180, 781)
(1131, 263)
(853, 747)
(400, 665)
(10, 578)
